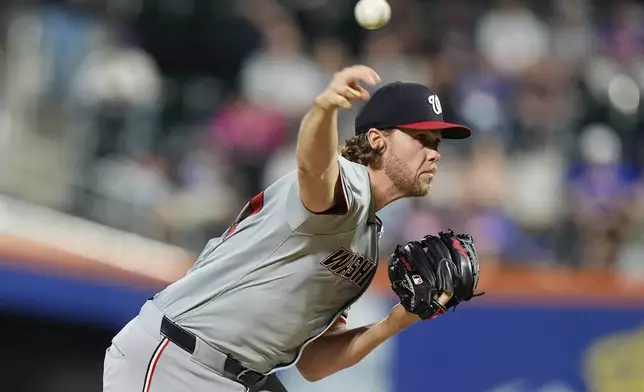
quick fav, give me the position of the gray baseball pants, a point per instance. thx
(142, 359)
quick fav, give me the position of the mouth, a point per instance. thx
(428, 174)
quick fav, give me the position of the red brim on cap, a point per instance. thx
(450, 131)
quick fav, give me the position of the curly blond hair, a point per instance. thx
(357, 149)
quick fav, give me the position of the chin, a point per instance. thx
(423, 189)
(426, 187)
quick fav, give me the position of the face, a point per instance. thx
(410, 160)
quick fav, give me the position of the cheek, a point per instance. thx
(412, 155)
(417, 157)
(409, 150)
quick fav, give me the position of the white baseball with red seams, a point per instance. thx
(372, 14)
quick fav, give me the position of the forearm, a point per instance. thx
(317, 143)
(344, 348)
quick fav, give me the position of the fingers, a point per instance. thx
(360, 73)
(444, 298)
(343, 96)
(348, 92)
(342, 102)
(439, 304)
(345, 87)
(355, 75)
(364, 94)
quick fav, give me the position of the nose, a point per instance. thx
(433, 155)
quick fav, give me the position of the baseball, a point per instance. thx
(372, 14)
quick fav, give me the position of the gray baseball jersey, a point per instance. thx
(281, 275)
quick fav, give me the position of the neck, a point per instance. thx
(383, 189)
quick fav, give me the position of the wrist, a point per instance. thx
(399, 319)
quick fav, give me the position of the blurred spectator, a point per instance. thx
(264, 74)
(572, 33)
(113, 115)
(65, 32)
(629, 255)
(511, 37)
(602, 189)
(248, 133)
(280, 163)
(538, 188)
(118, 81)
(126, 193)
(623, 36)
(385, 52)
(484, 97)
(332, 55)
(206, 201)
(486, 183)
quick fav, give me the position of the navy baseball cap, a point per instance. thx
(407, 106)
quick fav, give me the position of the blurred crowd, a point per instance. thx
(165, 117)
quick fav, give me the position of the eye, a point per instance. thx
(428, 142)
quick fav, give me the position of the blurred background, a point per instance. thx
(132, 131)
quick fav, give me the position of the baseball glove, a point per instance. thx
(421, 271)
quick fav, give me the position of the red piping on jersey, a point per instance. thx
(256, 203)
(231, 229)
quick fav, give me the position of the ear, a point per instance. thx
(377, 139)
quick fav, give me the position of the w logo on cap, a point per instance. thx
(436, 103)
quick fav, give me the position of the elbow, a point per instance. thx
(312, 376)
(318, 373)
(311, 171)
(316, 166)
(313, 371)
(309, 372)
(303, 169)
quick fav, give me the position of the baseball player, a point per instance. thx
(275, 289)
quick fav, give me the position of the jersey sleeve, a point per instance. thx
(354, 197)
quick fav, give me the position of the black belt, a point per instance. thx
(233, 370)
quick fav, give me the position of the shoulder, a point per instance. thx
(355, 175)
(352, 166)
(354, 185)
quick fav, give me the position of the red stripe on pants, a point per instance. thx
(153, 364)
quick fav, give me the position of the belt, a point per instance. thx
(233, 370)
